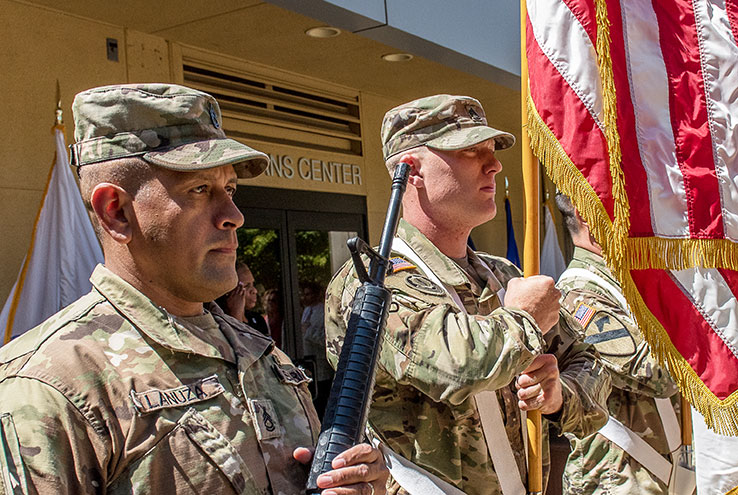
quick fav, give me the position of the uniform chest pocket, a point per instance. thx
(175, 464)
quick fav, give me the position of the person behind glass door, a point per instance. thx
(273, 315)
(241, 300)
(313, 341)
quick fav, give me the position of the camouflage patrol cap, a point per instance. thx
(167, 125)
(444, 122)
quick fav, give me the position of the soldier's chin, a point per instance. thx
(221, 279)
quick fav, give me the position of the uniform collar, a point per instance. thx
(444, 267)
(157, 324)
(493, 285)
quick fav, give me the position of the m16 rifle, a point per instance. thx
(351, 392)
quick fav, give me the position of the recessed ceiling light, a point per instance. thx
(323, 32)
(397, 57)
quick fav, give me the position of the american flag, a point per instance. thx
(583, 314)
(633, 110)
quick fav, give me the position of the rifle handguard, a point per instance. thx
(348, 405)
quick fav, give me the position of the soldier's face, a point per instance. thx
(460, 184)
(185, 238)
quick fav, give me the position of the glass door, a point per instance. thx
(293, 242)
(319, 250)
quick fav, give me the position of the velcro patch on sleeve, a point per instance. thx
(610, 336)
(201, 390)
(265, 419)
(425, 285)
(399, 264)
(291, 374)
(584, 314)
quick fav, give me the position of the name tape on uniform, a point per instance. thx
(201, 390)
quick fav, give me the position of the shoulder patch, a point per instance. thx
(424, 285)
(399, 264)
(584, 314)
(610, 336)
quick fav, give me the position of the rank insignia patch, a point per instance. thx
(474, 115)
(265, 419)
(584, 314)
(291, 375)
(399, 264)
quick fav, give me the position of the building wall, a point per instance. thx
(41, 46)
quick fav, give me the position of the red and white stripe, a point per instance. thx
(675, 71)
(679, 82)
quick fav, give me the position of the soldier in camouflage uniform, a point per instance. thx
(139, 387)
(597, 465)
(448, 337)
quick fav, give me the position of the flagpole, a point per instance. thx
(531, 249)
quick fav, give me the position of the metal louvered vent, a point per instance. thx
(256, 109)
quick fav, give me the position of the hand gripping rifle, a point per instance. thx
(351, 392)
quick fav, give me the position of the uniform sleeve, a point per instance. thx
(46, 445)
(433, 347)
(621, 345)
(585, 382)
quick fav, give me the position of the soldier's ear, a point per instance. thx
(580, 219)
(416, 174)
(111, 204)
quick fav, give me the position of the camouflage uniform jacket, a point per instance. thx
(113, 395)
(434, 359)
(596, 465)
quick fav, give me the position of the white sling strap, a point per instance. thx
(488, 406)
(413, 478)
(637, 448)
(681, 481)
(500, 452)
(670, 422)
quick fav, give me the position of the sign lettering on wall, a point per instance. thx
(312, 169)
(292, 167)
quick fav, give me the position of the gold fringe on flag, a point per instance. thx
(721, 415)
(621, 221)
(680, 254)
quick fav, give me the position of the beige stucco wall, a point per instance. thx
(41, 45)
